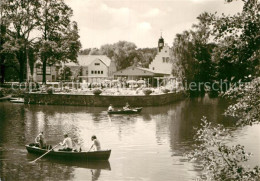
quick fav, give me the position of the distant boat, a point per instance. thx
(17, 100)
(128, 111)
(70, 155)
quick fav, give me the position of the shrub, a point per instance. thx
(147, 91)
(49, 90)
(1, 93)
(165, 91)
(97, 91)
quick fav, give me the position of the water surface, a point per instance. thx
(146, 146)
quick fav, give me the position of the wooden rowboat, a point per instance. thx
(71, 155)
(129, 111)
(18, 100)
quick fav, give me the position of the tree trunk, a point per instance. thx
(2, 70)
(44, 70)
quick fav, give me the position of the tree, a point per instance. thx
(23, 17)
(219, 161)
(192, 51)
(247, 102)
(60, 40)
(3, 28)
(65, 73)
(238, 37)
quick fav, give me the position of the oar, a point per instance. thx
(44, 154)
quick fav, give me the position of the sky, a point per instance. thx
(140, 21)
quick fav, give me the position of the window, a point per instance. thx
(98, 72)
(163, 59)
(95, 72)
(86, 72)
(165, 51)
(167, 59)
(92, 72)
(97, 64)
(101, 71)
(153, 68)
(39, 70)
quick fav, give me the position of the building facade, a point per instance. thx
(89, 68)
(162, 62)
(92, 68)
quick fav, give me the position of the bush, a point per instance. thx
(165, 91)
(49, 90)
(147, 91)
(1, 93)
(97, 91)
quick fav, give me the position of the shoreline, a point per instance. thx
(102, 100)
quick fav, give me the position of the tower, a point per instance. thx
(160, 43)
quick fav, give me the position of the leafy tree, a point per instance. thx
(3, 28)
(22, 17)
(60, 40)
(247, 106)
(219, 161)
(192, 51)
(238, 38)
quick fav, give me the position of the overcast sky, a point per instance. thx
(140, 21)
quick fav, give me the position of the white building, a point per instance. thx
(162, 62)
(92, 68)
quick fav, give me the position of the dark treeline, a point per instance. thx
(220, 49)
(124, 54)
(57, 38)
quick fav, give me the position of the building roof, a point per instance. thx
(143, 71)
(85, 60)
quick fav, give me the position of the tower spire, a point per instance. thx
(160, 42)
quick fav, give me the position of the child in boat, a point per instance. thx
(96, 143)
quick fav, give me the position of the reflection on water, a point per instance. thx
(146, 146)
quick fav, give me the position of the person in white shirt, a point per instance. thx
(67, 143)
(110, 108)
(96, 143)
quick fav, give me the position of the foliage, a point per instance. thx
(50, 90)
(21, 19)
(124, 53)
(238, 50)
(219, 161)
(247, 106)
(65, 73)
(56, 39)
(97, 91)
(59, 41)
(165, 90)
(147, 91)
(1, 93)
(192, 52)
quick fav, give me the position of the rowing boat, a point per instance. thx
(17, 100)
(128, 111)
(71, 155)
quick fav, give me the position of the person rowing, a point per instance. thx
(126, 107)
(95, 144)
(110, 108)
(67, 143)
